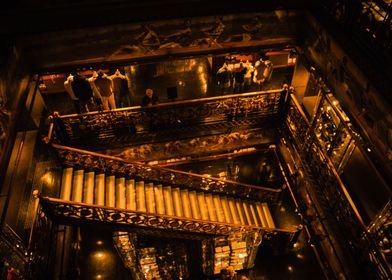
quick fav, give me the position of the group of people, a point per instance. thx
(240, 76)
(100, 91)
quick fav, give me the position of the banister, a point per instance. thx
(43, 200)
(174, 103)
(61, 147)
(299, 108)
(48, 137)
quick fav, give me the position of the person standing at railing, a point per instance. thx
(149, 99)
(263, 72)
(71, 94)
(120, 89)
(224, 77)
(105, 87)
(239, 78)
(284, 100)
(248, 75)
(83, 92)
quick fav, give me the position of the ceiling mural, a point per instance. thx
(162, 38)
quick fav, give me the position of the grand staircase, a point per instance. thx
(98, 189)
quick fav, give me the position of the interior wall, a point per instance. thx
(156, 39)
(14, 82)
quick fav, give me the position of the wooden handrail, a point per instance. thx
(61, 147)
(48, 138)
(294, 99)
(57, 200)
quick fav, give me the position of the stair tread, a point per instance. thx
(99, 197)
(167, 194)
(66, 183)
(88, 193)
(110, 191)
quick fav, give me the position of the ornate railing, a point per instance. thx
(112, 126)
(341, 206)
(113, 165)
(63, 211)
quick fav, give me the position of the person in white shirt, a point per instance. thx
(248, 75)
(69, 90)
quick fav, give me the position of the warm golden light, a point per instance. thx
(47, 179)
(99, 255)
(300, 256)
(99, 242)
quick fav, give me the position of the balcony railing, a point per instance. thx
(81, 159)
(108, 127)
(348, 221)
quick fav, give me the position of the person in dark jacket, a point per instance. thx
(82, 89)
(239, 78)
(149, 98)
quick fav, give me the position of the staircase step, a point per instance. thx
(226, 210)
(77, 186)
(194, 205)
(254, 215)
(99, 198)
(211, 207)
(150, 198)
(248, 215)
(186, 204)
(140, 197)
(66, 184)
(167, 195)
(177, 202)
(233, 211)
(88, 194)
(268, 215)
(218, 207)
(261, 215)
(120, 193)
(203, 206)
(241, 212)
(110, 191)
(130, 194)
(159, 200)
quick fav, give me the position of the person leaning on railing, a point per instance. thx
(149, 98)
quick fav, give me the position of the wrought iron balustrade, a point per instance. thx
(81, 159)
(347, 217)
(113, 165)
(103, 125)
(63, 211)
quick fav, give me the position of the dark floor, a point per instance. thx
(195, 79)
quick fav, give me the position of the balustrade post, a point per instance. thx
(35, 212)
